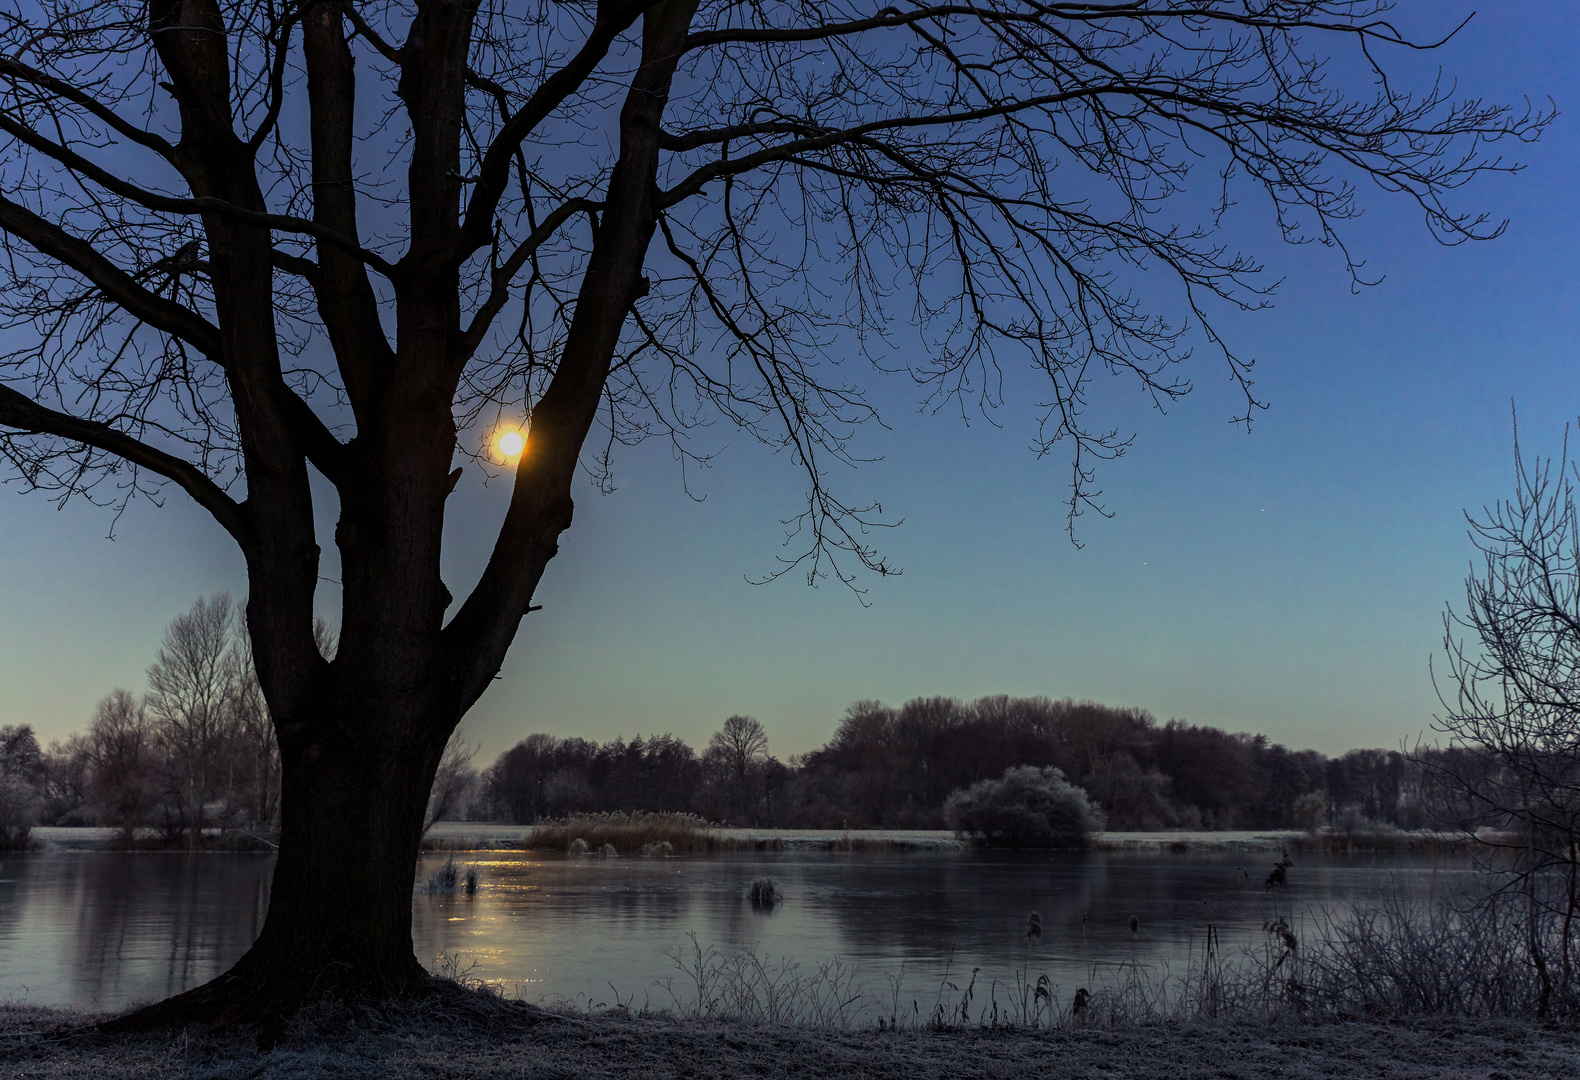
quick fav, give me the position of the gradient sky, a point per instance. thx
(1290, 582)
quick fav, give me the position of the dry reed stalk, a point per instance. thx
(626, 832)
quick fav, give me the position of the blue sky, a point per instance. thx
(1290, 581)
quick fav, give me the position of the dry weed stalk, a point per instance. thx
(625, 832)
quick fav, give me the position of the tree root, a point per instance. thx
(327, 1006)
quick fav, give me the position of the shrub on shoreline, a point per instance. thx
(1026, 807)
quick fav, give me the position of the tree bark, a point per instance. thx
(340, 907)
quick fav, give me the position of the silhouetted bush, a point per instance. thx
(1027, 807)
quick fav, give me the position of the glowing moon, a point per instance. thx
(511, 444)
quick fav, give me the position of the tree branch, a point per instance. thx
(613, 20)
(162, 314)
(500, 279)
(21, 412)
(700, 177)
(346, 300)
(202, 204)
(22, 72)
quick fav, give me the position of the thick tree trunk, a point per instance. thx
(339, 919)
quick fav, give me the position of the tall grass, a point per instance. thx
(745, 987)
(1381, 837)
(626, 832)
(1397, 958)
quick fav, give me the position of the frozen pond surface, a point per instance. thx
(99, 930)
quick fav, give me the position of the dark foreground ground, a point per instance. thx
(432, 1045)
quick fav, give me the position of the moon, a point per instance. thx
(511, 444)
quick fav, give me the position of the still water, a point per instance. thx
(100, 930)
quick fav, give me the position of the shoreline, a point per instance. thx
(499, 836)
(423, 1041)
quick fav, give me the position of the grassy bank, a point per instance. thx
(427, 1041)
(645, 834)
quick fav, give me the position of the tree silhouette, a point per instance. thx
(248, 240)
(193, 684)
(1512, 714)
(741, 745)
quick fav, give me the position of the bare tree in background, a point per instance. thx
(608, 221)
(257, 753)
(191, 691)
(453, 781)
(122, 751)
(1512, 713)
(741, 747)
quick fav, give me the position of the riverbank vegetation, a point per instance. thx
(1026, 807)
(193, 761)
(651, 834)
(432, 1039)
(893, 768)
(204, 772)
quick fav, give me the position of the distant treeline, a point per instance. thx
(195, 756)
(893, 768)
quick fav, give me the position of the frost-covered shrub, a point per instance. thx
(1026, 807)
(19, 805)
(1311, 810)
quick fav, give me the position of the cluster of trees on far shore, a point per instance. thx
(889, 767)
(194, 756)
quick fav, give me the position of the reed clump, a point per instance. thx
(1373, 836)
(624, 832)
(848, 841)
(451, 878)
(765, 892)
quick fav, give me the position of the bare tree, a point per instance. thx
(256, 753)
(121, 742)
(67, 780)
(741, 746)
(1512, 713)
(628, 216)
(191, 686)
(453, 782)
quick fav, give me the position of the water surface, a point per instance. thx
(100, 930)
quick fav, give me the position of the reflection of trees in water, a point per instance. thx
(152, 924)
(917, 907)
(980, 902)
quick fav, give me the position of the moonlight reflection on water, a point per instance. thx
(99, 930)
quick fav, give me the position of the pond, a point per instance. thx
(100, 930)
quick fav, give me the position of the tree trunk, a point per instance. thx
(340, 907)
